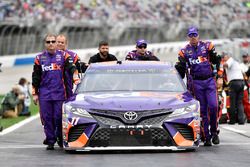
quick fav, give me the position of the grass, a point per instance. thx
(7, 122)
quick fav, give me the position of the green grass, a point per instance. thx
(7, 122)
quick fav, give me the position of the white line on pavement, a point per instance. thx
(18, 125)
(235, 130)
(21, 146)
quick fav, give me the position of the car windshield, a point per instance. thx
(131, 80)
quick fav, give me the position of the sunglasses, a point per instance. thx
(48, 42)
(193, 35)
(142, 46)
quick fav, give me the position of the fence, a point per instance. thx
(15, 39)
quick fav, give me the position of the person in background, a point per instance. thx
(103, 54)
(62, 43)
(196, 59)
(244, 67)
(12, 103)
(141, 53)
(236, 89)
(48, 88)
(25, 90)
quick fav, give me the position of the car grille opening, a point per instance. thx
(185, 130)
(104, 137)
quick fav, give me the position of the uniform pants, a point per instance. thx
(51, 115)
(206, 93)
(236, 110)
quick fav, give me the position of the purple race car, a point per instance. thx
(131, 105)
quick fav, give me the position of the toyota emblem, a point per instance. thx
(130, 115)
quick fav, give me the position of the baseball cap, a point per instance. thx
(140, 42)
(192, 30)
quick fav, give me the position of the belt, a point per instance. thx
(195, 77)
(236, 80)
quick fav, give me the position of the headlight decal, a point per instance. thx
(184, 110)
(77, 111)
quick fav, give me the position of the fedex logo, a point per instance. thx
(199, 60)
(51, 67)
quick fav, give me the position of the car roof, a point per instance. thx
(131, 65)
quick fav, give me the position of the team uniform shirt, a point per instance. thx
(97, 58)
(149, 56)
(233, 71)
(48, 77)
(198, 59)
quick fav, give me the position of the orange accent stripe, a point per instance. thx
(80, 142)
(36, 61)
(75, 59)
(195, 124)
(210, 46)
(191, 124)
(181, 141)
(67, 130)
(181, 54)
(66, 55)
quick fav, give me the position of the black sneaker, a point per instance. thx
(216, 139)
(60, 143)
(50, 147)
(207, 143)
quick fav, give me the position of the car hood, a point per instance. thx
(132, 100)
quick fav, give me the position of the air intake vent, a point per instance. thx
(185, 130)
(76, 131)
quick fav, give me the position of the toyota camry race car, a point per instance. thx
(131, 105)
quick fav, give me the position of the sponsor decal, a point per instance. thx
(51, 67)
(43, 58)
(189, 52)
(58, 57)
(199, 60)
(74, 120)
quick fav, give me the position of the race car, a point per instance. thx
(131, 105)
